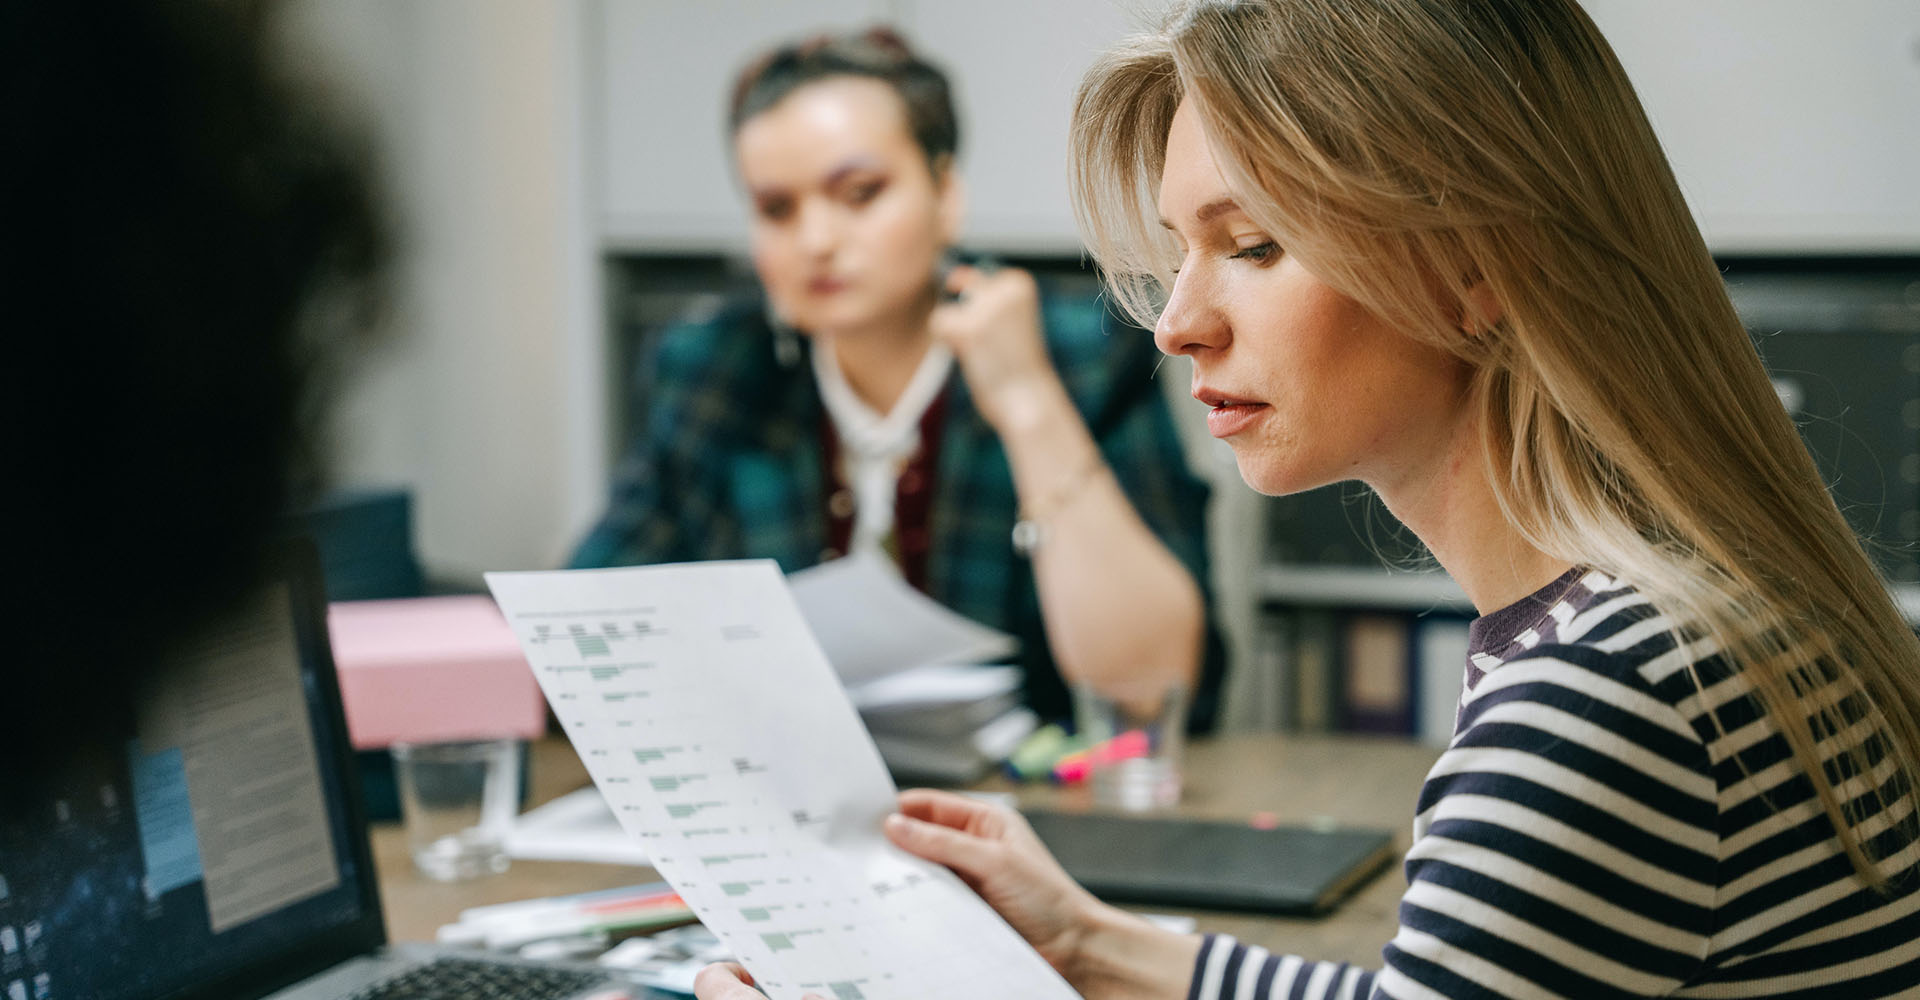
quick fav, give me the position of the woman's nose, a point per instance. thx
(819, 228)
(1190, 322)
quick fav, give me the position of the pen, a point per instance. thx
(507, 925)
(515, 931)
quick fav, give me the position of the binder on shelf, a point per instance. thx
(1376, 688)
(1316, 669)
(1261, 700)
(1440, 650)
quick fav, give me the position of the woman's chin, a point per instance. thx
(1269, 478)
(831, 321)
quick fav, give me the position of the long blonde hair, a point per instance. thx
(1408, 150)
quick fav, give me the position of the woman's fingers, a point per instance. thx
(961, 851)
(944, 808)
(725, 981)
(959, 277)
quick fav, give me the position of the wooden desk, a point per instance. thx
(1353, 780)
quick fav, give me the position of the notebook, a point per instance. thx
(220, 850)
(1212, 865)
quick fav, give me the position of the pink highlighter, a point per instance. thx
(1077, 766)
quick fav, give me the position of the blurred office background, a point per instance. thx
(559, 173)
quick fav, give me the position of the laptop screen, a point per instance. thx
(216, 842)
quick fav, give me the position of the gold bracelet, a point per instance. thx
(1029, 527)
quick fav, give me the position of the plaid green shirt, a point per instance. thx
(726, 463)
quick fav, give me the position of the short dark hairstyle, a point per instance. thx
(878, 53)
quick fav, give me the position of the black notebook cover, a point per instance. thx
(1212, 865)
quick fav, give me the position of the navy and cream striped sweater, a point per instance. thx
(1590, 832)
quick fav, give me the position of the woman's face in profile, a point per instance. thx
(1305, 385)
(849, 220)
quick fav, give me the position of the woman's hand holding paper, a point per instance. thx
(1101, 951)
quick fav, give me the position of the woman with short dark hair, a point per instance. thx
(1006, 450)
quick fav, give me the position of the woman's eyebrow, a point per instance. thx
(1209, 211)
(850, 166)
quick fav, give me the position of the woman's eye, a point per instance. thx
(776, 211)
(1258, 253)
(860, 194)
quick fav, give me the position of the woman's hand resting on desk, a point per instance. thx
(993, 328)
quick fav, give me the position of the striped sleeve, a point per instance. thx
(1230, 970)
(1618, 817)
(1566, 846)
(1567, 843)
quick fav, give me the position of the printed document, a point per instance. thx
(709, 718)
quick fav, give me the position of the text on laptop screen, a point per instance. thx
(214, 835)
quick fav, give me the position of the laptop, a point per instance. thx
(1213, 865)
(220, 850)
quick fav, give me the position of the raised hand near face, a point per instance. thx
(992, 326)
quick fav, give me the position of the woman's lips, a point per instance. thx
(1228, 419)
(826, 286)
(1229, 415)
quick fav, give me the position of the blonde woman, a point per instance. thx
(1434, 246)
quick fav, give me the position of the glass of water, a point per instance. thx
(457, 800)
(1135, 738)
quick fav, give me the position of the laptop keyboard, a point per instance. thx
(459, 979)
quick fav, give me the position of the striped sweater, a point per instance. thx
(1591, 832)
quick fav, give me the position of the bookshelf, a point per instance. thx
(1357, 649)
(1346, 648)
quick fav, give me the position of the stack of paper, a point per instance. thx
(914, 670)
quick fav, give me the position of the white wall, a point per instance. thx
(488, 400)
(1793, 126)
(662, 69)
(666, 65)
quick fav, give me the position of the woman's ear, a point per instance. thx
(952, 192)
(1480, 310)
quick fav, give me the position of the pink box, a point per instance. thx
(430, 670)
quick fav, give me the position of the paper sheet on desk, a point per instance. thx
(871, 623)
(710, 720)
